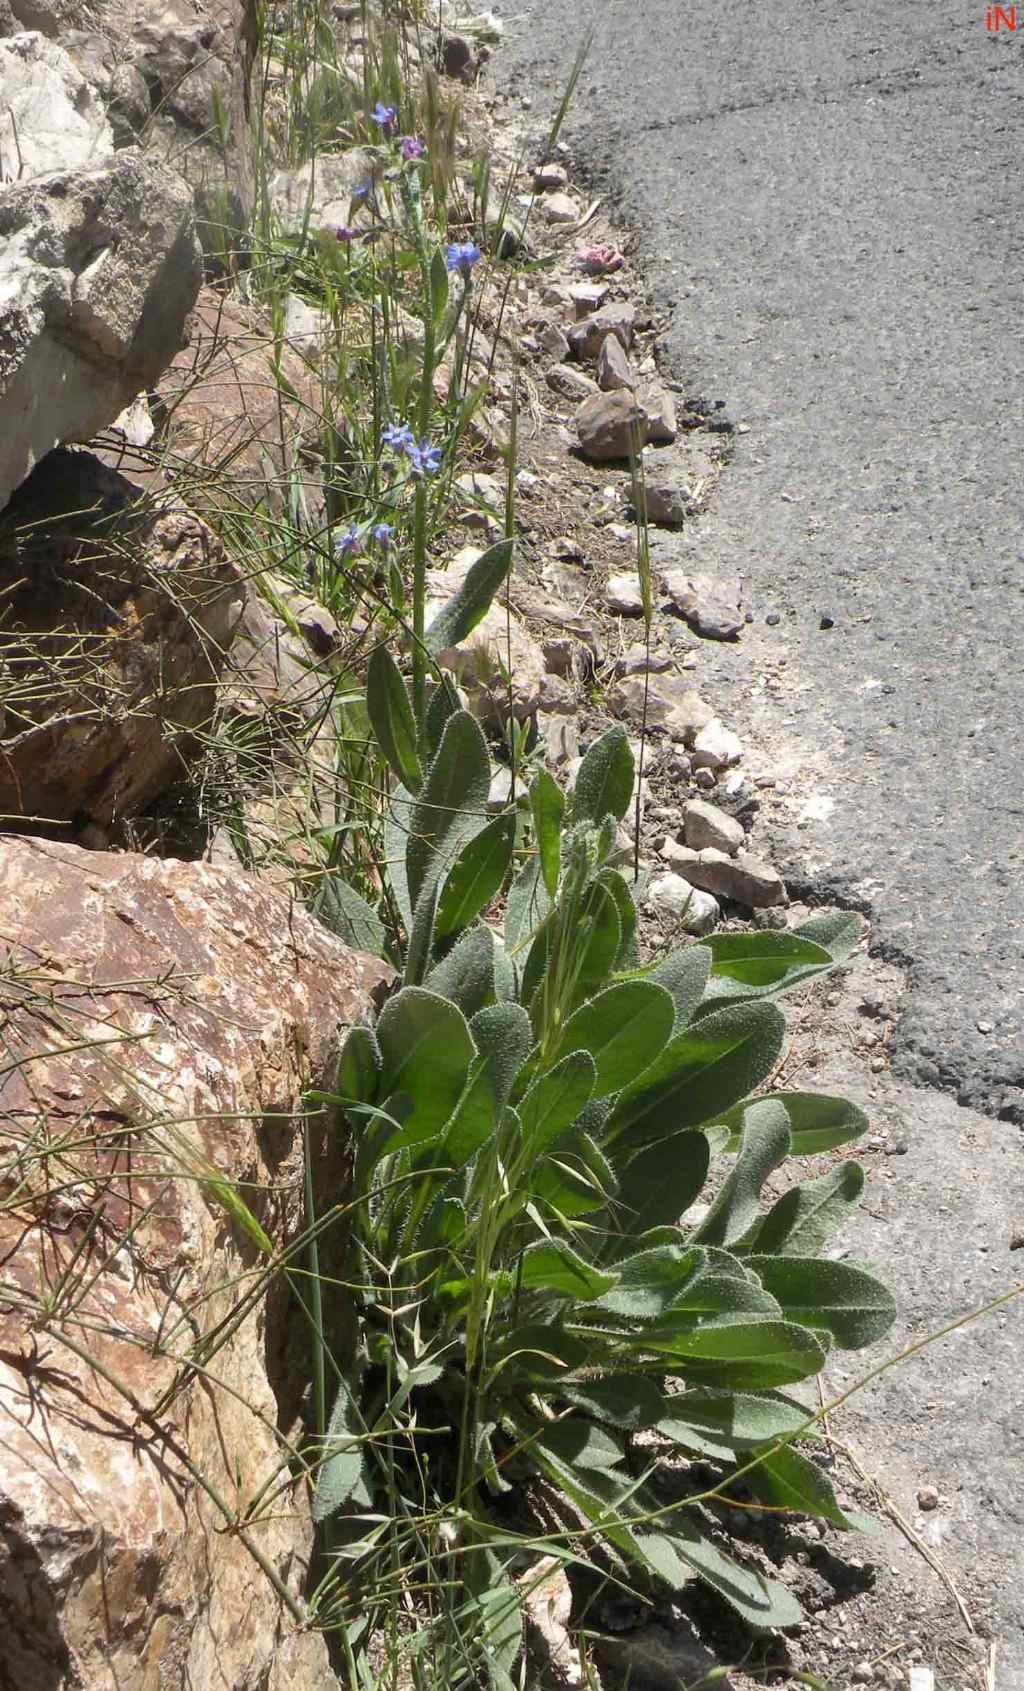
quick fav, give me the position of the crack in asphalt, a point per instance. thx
(834, 95)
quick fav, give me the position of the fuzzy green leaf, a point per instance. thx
(752, 1354)
(528, 904)
(343, 1468)
(426, 1048)
(579, 1443)
(701, 1073)
(438, 287)
(359, 1065)
(649, 1282)
(764, 1144)
(470, 603)
(817, 1122)
(575, 1178)
(615, 1503)
(421, 933)
(837, 930)
(720, 1423)
(502, 1036)
(805, 1218)
(550, 1265)
(617, 887)
(626, 1401)
(544, 1352)
(553, 1102)
(684, 975)
(390, 713)
(476, 876)
(600, 939)
(452, 805)
(397, 822)
(443, 703)
(342, 910)
(597, 937)
(784, 1479)
(659, 1184)
(547, 804)
(845, 1301)
(711, 1294)
(604, 785)
(624, 1028)
(760, 965)
(762, 1603)
(498, 1625)
(466, 975)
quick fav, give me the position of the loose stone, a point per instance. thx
(697, 911)
(587, 337)
(613, 369)
(607, 424)
(716, 747)
(550, 176)
(660, 410)
(560, 208)
(707, 825)
(570, 383)
(623, 597)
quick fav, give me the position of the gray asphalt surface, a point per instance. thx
(830, 206)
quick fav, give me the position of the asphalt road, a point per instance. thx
(829, 198)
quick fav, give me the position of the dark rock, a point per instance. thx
(607, 424)
(588, 336)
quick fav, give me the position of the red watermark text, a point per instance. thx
(1001, 17)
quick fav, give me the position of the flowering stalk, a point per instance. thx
(408, 187)
(460, 257)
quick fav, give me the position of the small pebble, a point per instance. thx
(863, 1673)
(927, 1497)
(986, 1027)
(898, 1148)
(773, 619)
(877, 1065)
(706, 778)
(826, 621)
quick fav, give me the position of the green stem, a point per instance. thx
(419, 605)
(419, 556)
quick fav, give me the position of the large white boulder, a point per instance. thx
(99, 270)
(50, 117)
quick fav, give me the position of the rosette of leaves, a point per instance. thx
(534, 1116)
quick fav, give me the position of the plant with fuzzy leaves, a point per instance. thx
(534, 1116)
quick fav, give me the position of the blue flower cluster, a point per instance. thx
(462, 255)
(350, 544)
(424, 459)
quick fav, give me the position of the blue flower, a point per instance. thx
(350, 544)
(462, 255)
(411, 147)
(424, 459)
(382, 533)
(386, 116)
(344, 234)
(398, 436)
(363, 192)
